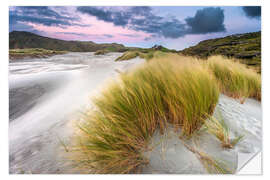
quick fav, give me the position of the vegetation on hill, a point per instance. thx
(32, 53)
(245, 47)
(22, 40)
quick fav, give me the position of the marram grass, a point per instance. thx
(114, 136)
(211, 165)
(235, 79)
(217, 127)
(128, 55)
(147, 55)
(170, 88)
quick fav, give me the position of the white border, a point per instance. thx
(4, 76)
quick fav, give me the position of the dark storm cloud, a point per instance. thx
(140, 18)
(252, 11)
(206, 20)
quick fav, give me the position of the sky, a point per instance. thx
(175, 27)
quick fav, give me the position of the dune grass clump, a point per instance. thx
(128, 55)
(235, 79)
(115, 134)
(218, 128)
(101, 52)
(147, 55)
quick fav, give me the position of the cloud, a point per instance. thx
(97, 36)
(131, 35)
(117, 18)
(23, 15)
(142, 18)
(137, 18)
(150, 37)
(14, 18)
(73, 33)
(206, 20)
(108, 35)
(252, 11)
(41, 11)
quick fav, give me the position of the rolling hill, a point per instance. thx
(23, 40)
(246, 47)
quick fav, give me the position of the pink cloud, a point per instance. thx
(94, 32)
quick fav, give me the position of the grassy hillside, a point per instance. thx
(245, 47)
(22, 40)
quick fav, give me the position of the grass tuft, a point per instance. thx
(147, 55)
(235, 79)
(101, 52)
(128, 111)
(211, 165)
(218, 128)
(128, 55)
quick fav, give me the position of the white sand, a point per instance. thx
(46, 94)
(169, 155)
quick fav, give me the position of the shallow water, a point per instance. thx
(45, 96)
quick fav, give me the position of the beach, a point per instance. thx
(45, 96)
(48, 95)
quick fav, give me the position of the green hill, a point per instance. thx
(23, 40)
(246, 47)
